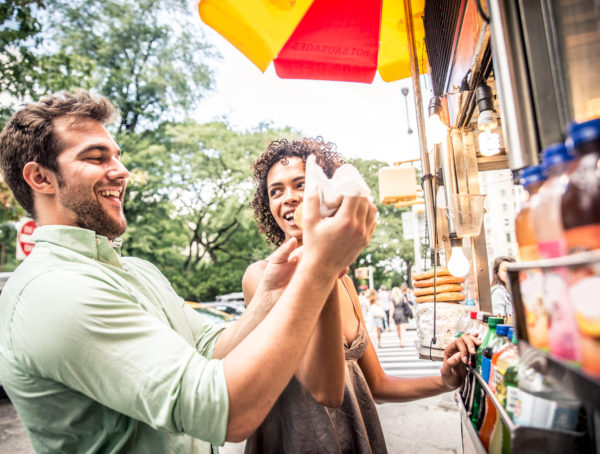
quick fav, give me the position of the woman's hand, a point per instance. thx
(456, 358)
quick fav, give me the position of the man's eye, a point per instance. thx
(94, 158)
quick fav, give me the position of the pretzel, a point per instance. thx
(439, 289)
(448, 296)
(440, 281)
(429, 274)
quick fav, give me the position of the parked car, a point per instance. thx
(211, 313)
(231, 303)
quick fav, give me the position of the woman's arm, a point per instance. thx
(322, 368)
(498, 301)
(386, 388)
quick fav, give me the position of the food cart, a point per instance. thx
(508, 78)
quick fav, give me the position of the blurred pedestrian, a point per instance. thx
(402, 312)
(375, 318)
(501, 300)
(386, 305)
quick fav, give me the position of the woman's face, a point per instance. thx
(502, 274)
(285, 186)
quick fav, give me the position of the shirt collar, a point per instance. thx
(82, 241)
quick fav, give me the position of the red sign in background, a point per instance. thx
(24, 242)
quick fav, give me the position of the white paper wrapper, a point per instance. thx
(447, 317)
(345, 181)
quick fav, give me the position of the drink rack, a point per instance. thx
(572, 379)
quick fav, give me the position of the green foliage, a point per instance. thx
(147, 56)
(188, 203)
(19, 30)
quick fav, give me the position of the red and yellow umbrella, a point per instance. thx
(343, 40)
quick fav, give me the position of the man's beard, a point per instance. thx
(90, 214)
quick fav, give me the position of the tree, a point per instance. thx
(188, 203)
(146, 56)
(19, 32)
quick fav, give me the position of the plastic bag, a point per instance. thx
(346, 181)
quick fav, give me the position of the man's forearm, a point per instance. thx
(259, 368)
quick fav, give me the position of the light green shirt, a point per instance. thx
(99, 355)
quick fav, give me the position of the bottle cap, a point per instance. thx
(579, 133)
(502, 330)
(511, 333)
(531, 174)
(473, 315)
(484, 318)
(493, 322)
(555, 154)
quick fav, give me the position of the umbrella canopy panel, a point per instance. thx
(343, 40)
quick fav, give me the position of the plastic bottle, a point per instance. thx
(506, 358)
(464, 324)
(546, 213)
(476, 391)
(532, 179)
(546, 206)
(580, 210)
(510, 392)
(483, 363)
(505, 333)
(491, 418)
(543, 403)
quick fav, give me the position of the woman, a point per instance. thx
(328, 406)
(501, 300)
(401, 309)
(375, 318)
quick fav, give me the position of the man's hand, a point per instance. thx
(333, 243)
(456, 357)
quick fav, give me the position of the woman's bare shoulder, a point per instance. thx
(255, 270)
(252, 277)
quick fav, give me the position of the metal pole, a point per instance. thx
(414, 70)
(512, 83)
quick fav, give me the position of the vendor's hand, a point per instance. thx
(335, 242)
(456, 358)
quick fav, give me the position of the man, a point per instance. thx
(97, 352)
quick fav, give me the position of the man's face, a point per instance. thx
(91, 178)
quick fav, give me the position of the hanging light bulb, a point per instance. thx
(458, 265)
(436, 129)
(489, 142)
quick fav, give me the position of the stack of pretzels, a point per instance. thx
(448, 288)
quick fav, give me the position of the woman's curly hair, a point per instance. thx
(326, 156)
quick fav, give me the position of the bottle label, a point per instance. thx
(554, 248)
(564, 339)
(582, 239)
(485, 368)
(536, 313)
(513, 402)
(585, 295)
(536, 411)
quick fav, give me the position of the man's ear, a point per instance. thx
(40, 178)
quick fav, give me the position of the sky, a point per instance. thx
(364, 120)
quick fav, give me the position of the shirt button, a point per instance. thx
(98, 241)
